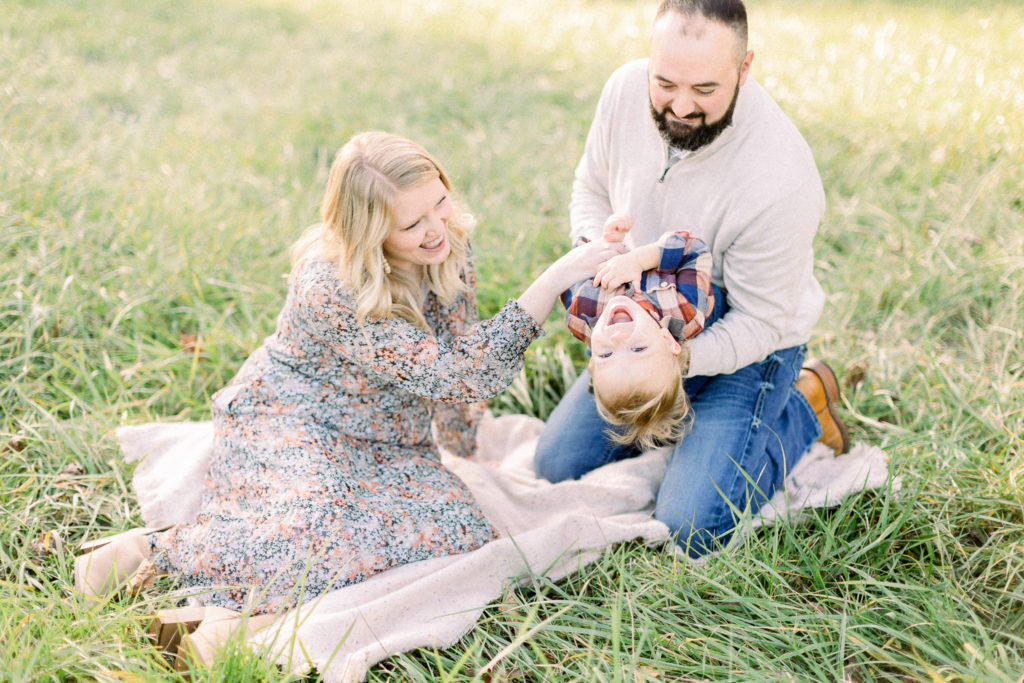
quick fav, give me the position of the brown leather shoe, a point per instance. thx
(819, 386)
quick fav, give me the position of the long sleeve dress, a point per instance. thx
(324, 469)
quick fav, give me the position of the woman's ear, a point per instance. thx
(671, 342)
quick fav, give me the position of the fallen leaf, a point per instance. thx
(16, 443)
(69, 471)
(47, 543)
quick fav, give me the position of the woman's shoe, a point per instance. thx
(168, 626)
(198, 649)
(109, 564)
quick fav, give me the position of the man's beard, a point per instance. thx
(692, 138)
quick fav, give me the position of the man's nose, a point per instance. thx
(682, 105)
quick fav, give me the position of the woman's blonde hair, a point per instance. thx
(650, 416)
(367, 175)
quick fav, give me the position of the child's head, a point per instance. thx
(636, 374)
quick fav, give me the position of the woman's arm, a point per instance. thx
(471, 367)
(577, 264)
(455, 424)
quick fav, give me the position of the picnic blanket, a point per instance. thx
(547, 532)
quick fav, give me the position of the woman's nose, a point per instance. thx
(435, 224)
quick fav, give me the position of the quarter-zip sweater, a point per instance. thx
(753, 196)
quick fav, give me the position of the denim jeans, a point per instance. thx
(749, 429)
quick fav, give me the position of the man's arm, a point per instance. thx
(765, 273)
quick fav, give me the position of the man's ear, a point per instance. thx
(745, 66)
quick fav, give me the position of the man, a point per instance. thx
(687, 140)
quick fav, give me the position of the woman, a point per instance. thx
(324, 471)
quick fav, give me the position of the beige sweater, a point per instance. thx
(753, 195)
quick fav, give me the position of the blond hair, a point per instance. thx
(367, 175)
(650, 416)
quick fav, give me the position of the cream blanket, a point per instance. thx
(548, 530)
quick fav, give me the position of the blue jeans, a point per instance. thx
(749, 430)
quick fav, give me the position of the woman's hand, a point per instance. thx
(578, 264)
(584, 262)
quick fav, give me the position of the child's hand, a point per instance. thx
(616, 227)
(619, 270)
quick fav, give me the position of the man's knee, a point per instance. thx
(698, 526)
(553, 470)
(548, 462)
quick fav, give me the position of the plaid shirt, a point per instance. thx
(677, 293)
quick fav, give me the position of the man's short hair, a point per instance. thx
(732, 13)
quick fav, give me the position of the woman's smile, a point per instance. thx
(419, 236)
(434, 244)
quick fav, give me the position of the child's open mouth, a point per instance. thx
(619, 314)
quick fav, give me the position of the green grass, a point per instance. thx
(156, 159)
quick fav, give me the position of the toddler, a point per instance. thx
(636, 314)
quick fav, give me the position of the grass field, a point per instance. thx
(157, 158)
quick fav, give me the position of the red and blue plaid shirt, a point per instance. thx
(677, 293)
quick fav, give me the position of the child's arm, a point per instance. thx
(625, 269)
(581, 298)
(628, 267)
(685, 263)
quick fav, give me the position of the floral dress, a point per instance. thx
(324, 469)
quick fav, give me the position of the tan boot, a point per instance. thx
(819, 386)
(109, 564)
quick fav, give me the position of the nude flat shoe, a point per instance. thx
(107, 565)
(198, 649)
(168, 626)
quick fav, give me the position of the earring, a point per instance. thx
(387, 266)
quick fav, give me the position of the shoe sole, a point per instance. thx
(97, 543)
